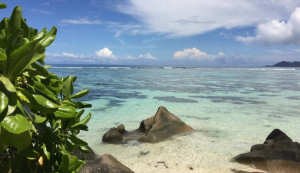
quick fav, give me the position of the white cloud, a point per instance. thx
(105, 53)
(66, 55)
(221, 54)
(68, 58)
(190, 17)
(147, 56)
(190, 53)
(276, 31)
(70, 55)
(81, 21)
(195, 54)
(44, 12)
(127, 28)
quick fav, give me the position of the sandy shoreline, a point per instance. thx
(178, 155)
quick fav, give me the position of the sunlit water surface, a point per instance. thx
(230, 109)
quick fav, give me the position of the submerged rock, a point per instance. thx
(106, 163)
(154, 129)
(277, 154)
(115, 135)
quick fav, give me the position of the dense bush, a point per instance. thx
(40, 115)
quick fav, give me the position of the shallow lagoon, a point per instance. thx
(230, 108)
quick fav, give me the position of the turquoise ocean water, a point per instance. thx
(230, 109)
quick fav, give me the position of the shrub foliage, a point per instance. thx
(40, 115)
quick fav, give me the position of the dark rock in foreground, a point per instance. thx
(88, 155)
(154, 129)
(104, 164)
(277, 154)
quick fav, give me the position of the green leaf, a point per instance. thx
(3, 102)
(16, 124)
(7, 84)
(30, 154)
(82, 105)
(3, 60)
(70, 163)
(46, 152)
(83, 122)
(39, 36)
(20, 58)
(78, 141)
(2, 5)
(80, 94)
(16, 19)
(44, 102)
(12, 103)
(68, 86)
(49, 37)
(39, 119)
(22, 97)
(44, 90)
(20, 141)
(65, 112)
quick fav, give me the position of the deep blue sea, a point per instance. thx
(230, 108)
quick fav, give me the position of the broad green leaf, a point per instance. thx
(2, 5)
(39, 119)
(68, 86)
(3, 102)
(36, 57)
(65, 112)
(44, 102)
(21, 108)
(46, 152)
(83, 122)
(70, 163)
(20, 58)
(85, 148)
(16, 124)
(16, 19)
(20, 141)
(78, 141)
(49, 37)
(81, 105)
(7, 84)
(3, 60)
(22, 97)
(39, 36)
(80, 94)
(44, 90)
(30, 154)
(11, 109)
(12, 103)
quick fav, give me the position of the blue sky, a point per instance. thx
(169, 32)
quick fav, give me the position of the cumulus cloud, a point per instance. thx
(190, 53)
(191, 17)
(81, 21)
(105, 53)
(276, 31)
(195, 54)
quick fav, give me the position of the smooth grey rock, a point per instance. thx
(278, 152)
(106, 163)
(157, 128)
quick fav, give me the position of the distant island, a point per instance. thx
(286, 64)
